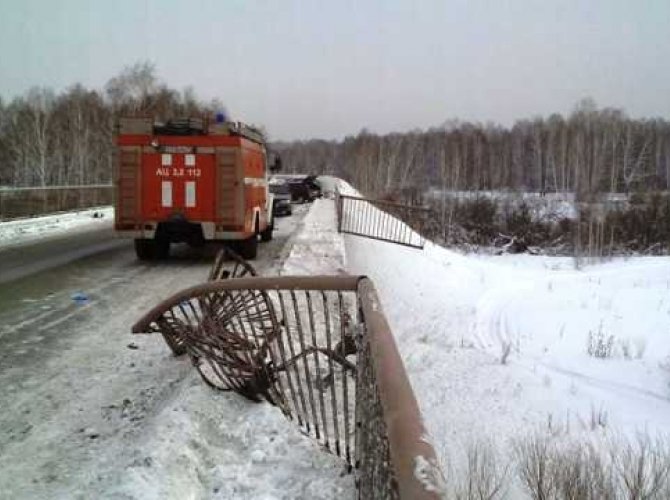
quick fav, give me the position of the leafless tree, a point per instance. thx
(67, 138)
(589, 151)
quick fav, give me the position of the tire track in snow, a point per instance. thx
(616, 387)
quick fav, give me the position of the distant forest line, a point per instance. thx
(589, 151)
(67, 139)
(49, 139)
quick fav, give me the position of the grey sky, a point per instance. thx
(326, 69)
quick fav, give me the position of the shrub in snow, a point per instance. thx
(634, 349)
(642, 468)
(483, 476)
(640, 347)
(624, 346)
(554, 466)
(533, 466)
(506, 349)
(550, 469)
(579, 471)
(598, 418)
(599, 344)
(595, 227)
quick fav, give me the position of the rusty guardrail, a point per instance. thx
(320, 349)
(382, 220)
(30, 201)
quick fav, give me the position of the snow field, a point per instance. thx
(502, 348)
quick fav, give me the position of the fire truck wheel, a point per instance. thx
(249, 248)
(161, 248)
(144, 249)
(267, 234)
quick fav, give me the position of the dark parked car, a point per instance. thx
(281, 202)
(299, 191)
(314, 186)
(305, 189)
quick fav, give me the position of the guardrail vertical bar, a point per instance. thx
(345, 388)
(331, 367)
(322, 404)
(338, 209)
(303, 347)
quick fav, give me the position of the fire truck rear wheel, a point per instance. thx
(267, 234)
(144, 249)
(249, 248)
(161, 248)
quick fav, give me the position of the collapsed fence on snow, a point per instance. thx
(29, 201)
(321, 350)
(382, 220)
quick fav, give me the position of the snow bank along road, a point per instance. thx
(28, 246)
(88, 411)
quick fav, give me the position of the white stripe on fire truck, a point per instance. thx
(166, 193)
(189, 192)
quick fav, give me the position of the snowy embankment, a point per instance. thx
(19, 231)
(227, 448)
(498, 348)
(455, 317)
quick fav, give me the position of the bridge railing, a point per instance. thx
(321, 350)
(32, 201)
(382, 220)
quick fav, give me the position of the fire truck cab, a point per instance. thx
(192, 181)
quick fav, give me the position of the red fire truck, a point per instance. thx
(191, 181)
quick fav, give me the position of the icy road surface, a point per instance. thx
(88, 410)
(28, 246)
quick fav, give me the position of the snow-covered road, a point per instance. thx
(88, 411)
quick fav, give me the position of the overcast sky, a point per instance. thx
(326, 69)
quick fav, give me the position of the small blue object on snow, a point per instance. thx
(80, 297)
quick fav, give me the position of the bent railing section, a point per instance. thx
(320, 349)
(382, 220)
(226, 258)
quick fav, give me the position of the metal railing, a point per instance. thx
(29, 201)
(382, 220)
(320, 349)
